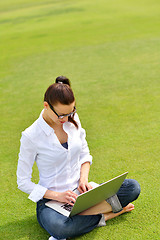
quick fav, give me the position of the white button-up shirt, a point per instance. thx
(59, 168)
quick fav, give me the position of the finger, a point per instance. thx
(73, 194)
(71, 200)
(80, 189)
(83, 188)
(89, 186)
(70, 203)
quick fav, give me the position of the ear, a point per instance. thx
(46, 106)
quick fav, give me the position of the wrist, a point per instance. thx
(51, 195)
(56, 196)
(84, 179)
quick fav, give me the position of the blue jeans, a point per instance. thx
(60, 226)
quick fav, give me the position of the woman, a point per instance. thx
(56, 141)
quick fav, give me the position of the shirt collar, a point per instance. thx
(44, 126)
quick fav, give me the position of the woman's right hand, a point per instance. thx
(67, 197)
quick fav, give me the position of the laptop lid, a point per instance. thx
(97, 194)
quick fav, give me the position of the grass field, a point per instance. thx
(111, 52)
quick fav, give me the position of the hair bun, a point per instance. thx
(63, 80)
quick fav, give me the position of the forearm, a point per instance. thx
(84, 171)
(51, 195)
(83, 181)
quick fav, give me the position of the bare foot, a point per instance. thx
(111, 215)
(129, 208)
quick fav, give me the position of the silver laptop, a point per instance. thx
(89, 198)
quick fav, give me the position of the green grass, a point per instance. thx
(110, 51)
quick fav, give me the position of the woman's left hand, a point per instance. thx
(84, 186)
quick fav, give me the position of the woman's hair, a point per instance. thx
(60, 92)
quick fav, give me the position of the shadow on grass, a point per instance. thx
(27, 228)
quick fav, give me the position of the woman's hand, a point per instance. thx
(67, 197)
(84, 186)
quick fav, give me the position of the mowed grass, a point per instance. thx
(110, 51)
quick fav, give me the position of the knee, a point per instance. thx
(58, 229)
(54, 223)
(61, 228)
(136, 189)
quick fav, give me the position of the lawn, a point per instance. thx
(110, 51)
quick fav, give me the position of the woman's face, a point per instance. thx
(59, 110)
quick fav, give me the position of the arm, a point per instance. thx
(85, 153)
(83, 182)
(27, 156)
(85, 160)
(36, 192)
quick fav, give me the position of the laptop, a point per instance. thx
(90, 198)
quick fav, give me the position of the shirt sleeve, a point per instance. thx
(26, 160)
(85, 153)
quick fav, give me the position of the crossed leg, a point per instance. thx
(128, 192)
(106, 209)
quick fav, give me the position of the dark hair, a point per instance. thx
(60, 92)
(63, 79)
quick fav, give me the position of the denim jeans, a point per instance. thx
(60, 226)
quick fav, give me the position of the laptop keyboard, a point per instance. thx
(67, 207)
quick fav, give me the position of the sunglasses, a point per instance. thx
(65, 115)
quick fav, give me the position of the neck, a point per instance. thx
(48, 120)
